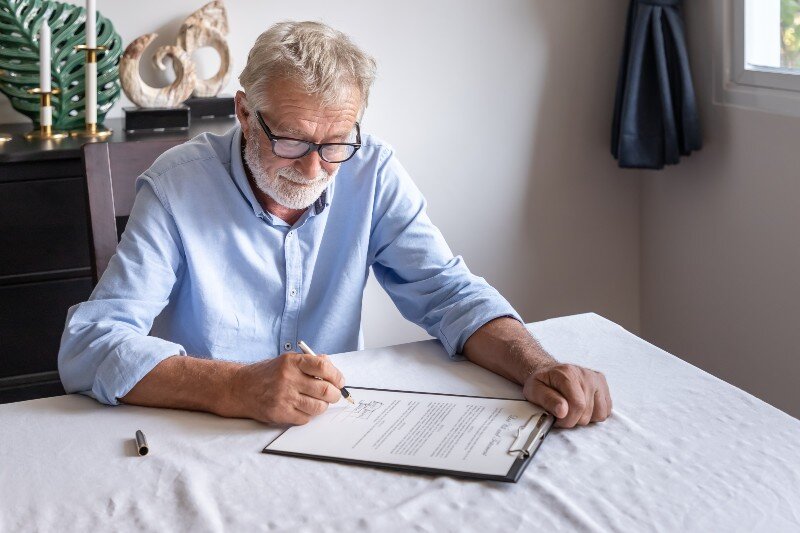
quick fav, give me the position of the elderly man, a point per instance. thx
(239, 246)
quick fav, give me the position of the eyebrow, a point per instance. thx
(291, 132)
(286, 131)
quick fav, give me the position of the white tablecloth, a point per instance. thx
(683, 451)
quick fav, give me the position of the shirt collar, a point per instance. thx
(240, 179)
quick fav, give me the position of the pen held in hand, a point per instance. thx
(307, 350)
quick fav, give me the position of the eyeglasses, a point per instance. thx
(288, 148)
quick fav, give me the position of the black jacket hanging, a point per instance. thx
(655, 112)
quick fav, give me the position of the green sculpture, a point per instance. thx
(19, 60)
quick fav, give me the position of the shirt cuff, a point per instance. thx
(465, 318)
(128, 364)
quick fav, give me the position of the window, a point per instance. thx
(761, 55)
(772, 35)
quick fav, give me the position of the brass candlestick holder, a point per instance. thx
(45, 131)
(91, 130)
(4, 137)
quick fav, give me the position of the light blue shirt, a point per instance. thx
(203, 270)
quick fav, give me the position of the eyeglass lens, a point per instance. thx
(333, 153)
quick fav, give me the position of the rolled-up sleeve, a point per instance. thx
(105, 349)
(414, 265)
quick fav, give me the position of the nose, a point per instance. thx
(309, 165)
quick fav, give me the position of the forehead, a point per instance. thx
(292, 111)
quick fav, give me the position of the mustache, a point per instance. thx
(292, 174)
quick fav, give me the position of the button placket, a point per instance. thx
(293, 280)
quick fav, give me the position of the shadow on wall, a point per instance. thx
(582, 215)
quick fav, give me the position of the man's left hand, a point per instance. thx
(574, 394)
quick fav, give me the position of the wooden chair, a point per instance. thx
(111, 172)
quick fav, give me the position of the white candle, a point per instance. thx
(44, 57)
(91, 29)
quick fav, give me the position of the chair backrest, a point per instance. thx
(111, 172)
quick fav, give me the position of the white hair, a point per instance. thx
(322, 61)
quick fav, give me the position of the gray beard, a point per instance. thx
(287, 186)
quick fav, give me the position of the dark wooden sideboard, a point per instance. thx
(44, 250)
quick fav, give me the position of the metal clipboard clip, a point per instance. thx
(537, 433)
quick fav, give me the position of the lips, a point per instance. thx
(304, 183)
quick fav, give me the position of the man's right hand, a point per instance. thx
(284, 390)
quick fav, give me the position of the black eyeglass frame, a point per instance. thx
(310, 146)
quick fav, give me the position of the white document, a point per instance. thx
(427, 431)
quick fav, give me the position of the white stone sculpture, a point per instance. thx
(207, 26)
(144, 95)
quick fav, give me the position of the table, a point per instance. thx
(683, 451)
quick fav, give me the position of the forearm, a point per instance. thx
(182, 382)
(505, 347)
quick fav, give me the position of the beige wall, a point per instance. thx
(501, 112)
(721, 242)
(546, 216)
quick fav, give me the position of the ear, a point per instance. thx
(242, 111)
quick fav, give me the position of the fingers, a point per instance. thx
(603, 403)
(607, 395)
(285, 390)
(547, 398)
(323, 379)
(310, 406)
(320, 367)
(601, 410)
(588, 411)
(584, 391)
(319, 389)
(298, 417)
(295, 409)
(566, 380)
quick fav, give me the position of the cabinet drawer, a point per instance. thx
(43, 226)
(32, 319)
(31, 391)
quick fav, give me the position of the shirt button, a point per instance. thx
(293, 292)
(287, 345)
(289, 235)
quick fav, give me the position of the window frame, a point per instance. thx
(768, 89)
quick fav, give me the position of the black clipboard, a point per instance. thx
(526, 448)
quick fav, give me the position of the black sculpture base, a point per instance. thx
(215, 106)
(156, 118)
